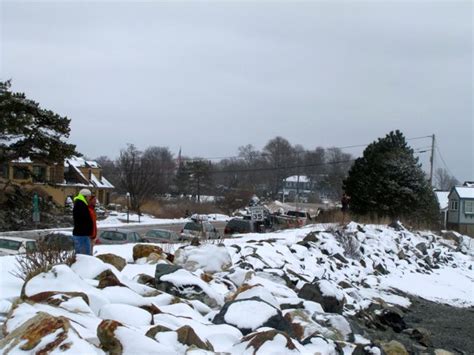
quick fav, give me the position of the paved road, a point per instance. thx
(142, 229)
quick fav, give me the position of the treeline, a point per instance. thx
(156, 171)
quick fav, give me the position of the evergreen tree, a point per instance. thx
(388, 181)
(28, 131)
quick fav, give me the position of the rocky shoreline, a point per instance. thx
(318, 289)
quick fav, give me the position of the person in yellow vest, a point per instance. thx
(83, 223)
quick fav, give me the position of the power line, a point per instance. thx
(344, 147)
(444, 162)
(289, 167)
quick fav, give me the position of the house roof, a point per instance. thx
(464, 192)
(76, 163)
(294, 178)
(81, 163)
(443, 199)
(101, 183)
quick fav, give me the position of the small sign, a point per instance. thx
(36, 212)
(257, 213)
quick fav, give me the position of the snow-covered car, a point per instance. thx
(119, 236)
(14, 246)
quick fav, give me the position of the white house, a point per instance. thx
(461, 209)
(295, 185)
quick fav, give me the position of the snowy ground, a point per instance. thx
(273, 267)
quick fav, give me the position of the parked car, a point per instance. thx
(239, 225)
(200, 229)
(14, 246)
(162, 236)
(119, 236)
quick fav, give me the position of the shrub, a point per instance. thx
(42, 259)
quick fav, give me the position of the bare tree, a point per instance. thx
(161, 165)
(338, 164)
(136, 176)
(279, 154)
(444, 180)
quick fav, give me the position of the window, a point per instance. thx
(39, 173)
(4, 171)
(453, 205)
(20, 173)
(469, 207)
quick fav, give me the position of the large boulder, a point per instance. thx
(144, 250)
(179, 282)
(108, 279)
(247, 315)
(126, 314)
(328, 295)
(394, 347)
(56, 298)
(187, 336)
(114, 260)
(207, 257)
(43, 334)
(117, 339)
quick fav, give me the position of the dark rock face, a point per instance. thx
(256, 340)
(31, 335)
(151, 333)
(422, 247)
(312, 292)
(144, 250)
(114, 260)
(311, 237)
(187, 336)
(276, 321)
(106, 335)
(392, 317)
(107, 279)
(161, 270)
(146, 279)
(54, 298)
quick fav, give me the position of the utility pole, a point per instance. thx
(432, 158)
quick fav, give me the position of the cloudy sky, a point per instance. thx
(212, 76)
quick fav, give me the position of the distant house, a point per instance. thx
(461, 209)
(297, 185)
(59, 181)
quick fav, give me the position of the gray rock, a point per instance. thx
(276, 321)
(312, 292)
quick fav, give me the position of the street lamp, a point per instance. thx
(128, 206)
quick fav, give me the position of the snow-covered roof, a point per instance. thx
(22, 161)
(443, 200)
(468, 184)
(464, 192)
(101, 183)
(81, 163)
(294, 178)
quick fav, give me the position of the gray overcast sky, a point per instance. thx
(211, 76)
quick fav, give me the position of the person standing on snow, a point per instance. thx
(83, 224)
(91, 207)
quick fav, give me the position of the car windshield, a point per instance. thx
(10, 244)
(158, 234)
(111, 235)
(193, 226)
